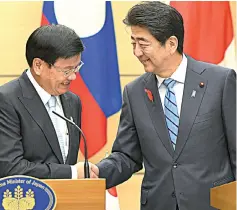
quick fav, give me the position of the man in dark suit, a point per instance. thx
(179, 118)
(34, 141)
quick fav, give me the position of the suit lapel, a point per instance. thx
(65, 100)
(34, 105)
(156, 111)
(190, 105)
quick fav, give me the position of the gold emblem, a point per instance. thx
(18, 202)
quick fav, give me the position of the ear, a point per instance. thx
(172, 43)
(37, 66)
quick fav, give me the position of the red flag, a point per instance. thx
(208, 29)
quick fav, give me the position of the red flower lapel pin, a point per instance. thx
(149, 94)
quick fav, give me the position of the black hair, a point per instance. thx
(51, 42)
(161, 20)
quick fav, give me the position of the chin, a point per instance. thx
(149, 70)
(62, 91)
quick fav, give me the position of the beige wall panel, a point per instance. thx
(128, 63)
(233, 12)
(17, 20)
(4, 80)
(129, 193)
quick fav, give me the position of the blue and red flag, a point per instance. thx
(98, 83)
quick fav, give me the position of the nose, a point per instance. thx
(137, 51)
(72, 76)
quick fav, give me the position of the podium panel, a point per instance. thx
(224, 197)
(86, 194)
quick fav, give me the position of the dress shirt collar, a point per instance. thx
(179, 74)
(44, 95)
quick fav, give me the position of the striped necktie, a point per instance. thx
(52, 107)
(171, 110)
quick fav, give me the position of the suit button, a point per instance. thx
(173, 194)
(175, 165)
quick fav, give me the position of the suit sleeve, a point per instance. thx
(229, 116)
(126, 156)
(12, 160)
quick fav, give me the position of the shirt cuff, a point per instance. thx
(74, 172)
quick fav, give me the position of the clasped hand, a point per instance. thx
(94, 170)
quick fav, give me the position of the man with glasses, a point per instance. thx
(33, 140)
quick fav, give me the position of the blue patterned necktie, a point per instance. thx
(52, 107)
(171, 110)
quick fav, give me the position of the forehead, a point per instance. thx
(68, 62)
(141, 33)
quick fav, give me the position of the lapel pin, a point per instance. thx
(201, 84)
(193, 94)
(71, 119)
(149, 95)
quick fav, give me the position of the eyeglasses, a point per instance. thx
(68, 72)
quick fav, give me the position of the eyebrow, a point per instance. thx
(139, 39)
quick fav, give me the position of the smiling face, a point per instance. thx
(50, 79)
(149, 51)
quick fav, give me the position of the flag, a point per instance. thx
(98, 83)
(208, 29)
(112, 202)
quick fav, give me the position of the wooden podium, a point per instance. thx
(224, 197)
(85, 194)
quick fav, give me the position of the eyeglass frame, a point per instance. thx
(67, 73)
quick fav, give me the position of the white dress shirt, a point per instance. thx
(179, 76)
(45, 96)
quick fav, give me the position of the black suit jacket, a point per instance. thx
(28, 141)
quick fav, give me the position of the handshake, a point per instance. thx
(94, 170)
